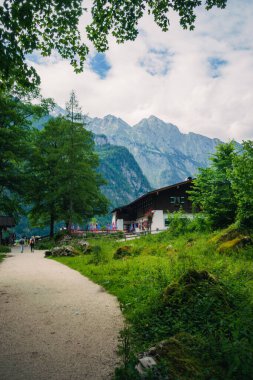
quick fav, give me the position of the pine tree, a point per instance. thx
(64, 166)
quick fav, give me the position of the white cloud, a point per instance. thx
(184, 91)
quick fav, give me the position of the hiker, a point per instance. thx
(22, 243)
(32, 242)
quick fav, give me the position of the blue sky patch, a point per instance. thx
(157, 61)
(100, 65)
(33, 57)
(215, 65)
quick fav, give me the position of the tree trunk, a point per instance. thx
(68, 226)
(51, 226)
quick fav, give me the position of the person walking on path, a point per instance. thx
(32, 242)
(22, 243)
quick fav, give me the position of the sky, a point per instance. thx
(201, 80)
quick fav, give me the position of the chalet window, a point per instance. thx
(177, 200)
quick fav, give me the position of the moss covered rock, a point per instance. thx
(62, 251)
(235, 244)
(176, 358)
(230, 233)
(122, 252)
(83, 246)
(198, 291)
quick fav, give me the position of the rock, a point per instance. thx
(158, 147)
(145, 363)
(230, 233)
(191, 286)
(47, 253)
(66, 239)
(62, 251)
(122, 252)
(177, 353)
(194, 276)
(235, 244)
(84, 246)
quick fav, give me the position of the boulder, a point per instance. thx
(65, 239)
(178, 355)
(145, 363)
(62, 251)
(235, 244)
(122, 252)
(84, 246)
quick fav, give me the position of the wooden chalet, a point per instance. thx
(151, 209)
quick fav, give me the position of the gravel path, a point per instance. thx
(54, 323)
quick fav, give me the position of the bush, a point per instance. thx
(45, 244)
(200, 223)
(178, 223)
(4, 249)
(98, 256)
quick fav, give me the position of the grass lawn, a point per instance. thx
(183, 291)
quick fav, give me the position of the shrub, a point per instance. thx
(200, 223)
(4, 249)
(178, 223)
(45, 244)
(98, 256)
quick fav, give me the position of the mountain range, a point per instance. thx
(148, 155)
(164, 154)
(125, 180)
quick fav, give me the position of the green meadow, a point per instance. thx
(183, 291)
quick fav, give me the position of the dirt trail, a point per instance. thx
(55, 324)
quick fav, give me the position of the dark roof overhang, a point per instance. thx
(156, 191)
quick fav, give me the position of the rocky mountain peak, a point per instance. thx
(164, 154)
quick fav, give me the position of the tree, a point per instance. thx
(42, 170)
(241, 177)
(82, 163)
(213, 192)
(15, 125)
(43, 26)
(66, 183)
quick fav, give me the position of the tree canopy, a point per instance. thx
(44, 26)
(224, 191)
(212, 190)
(15, 123)
(241, 177)
(64, 184)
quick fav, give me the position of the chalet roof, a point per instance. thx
(7, 221)
(154, 192)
